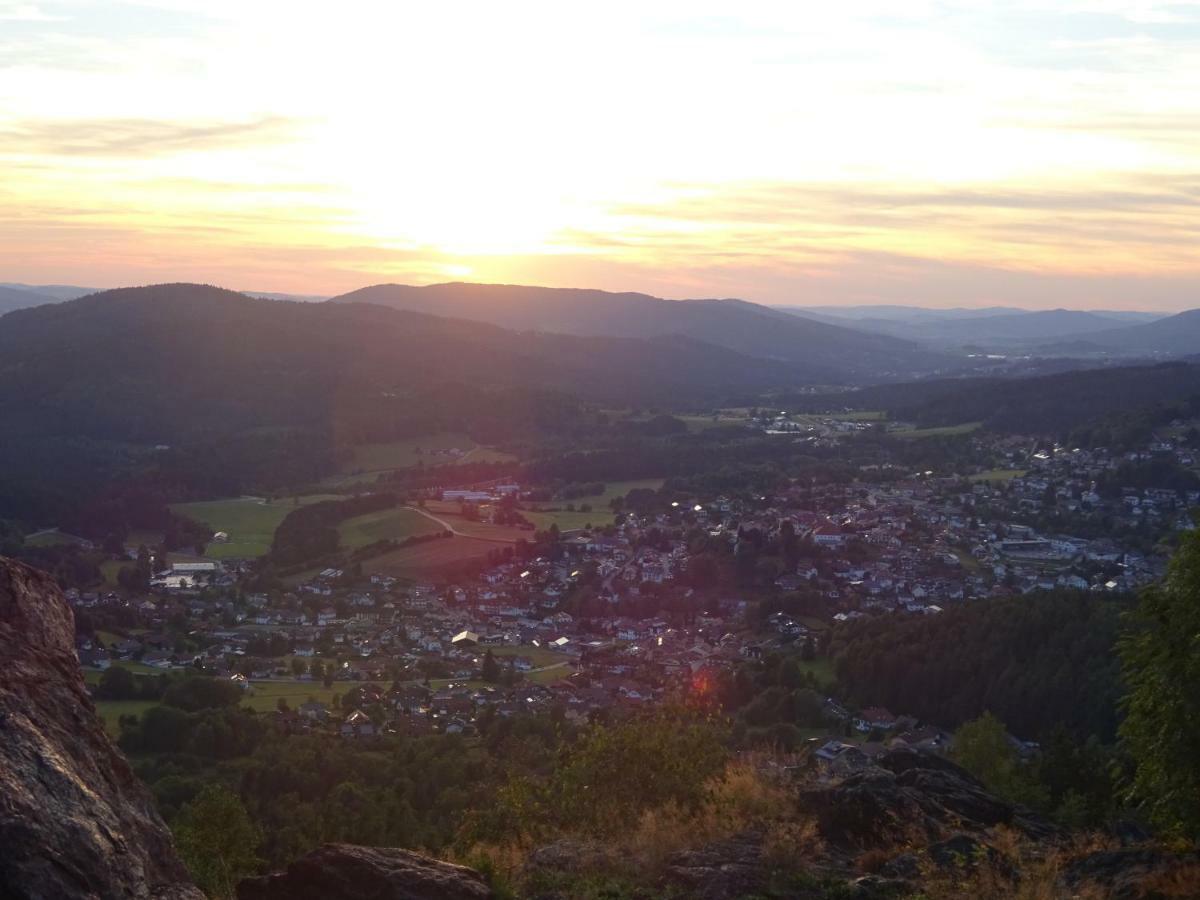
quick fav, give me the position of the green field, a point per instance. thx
(539, 656)
(371, 460)
(51, 539)
(249, 521)
(862, 415)
(822, 669)
(264, 696)
(92, 676)
(998, 475)
(703, 423)
(601, 514)
(112, 710)
(387, 524)
(944, 431)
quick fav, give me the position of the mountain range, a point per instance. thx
(828, 352)
(148, 364)
(996, 328)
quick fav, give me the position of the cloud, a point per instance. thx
(128, 137)
(25, 12)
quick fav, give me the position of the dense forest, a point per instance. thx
(1037, 662)
(1121, 397)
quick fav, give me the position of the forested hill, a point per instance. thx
(155, 364)
(748, 328)
(1056, 403)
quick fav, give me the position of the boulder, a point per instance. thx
(347, 872)
(912, 797)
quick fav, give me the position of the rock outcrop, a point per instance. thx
(347, 872)
(74, 820)
(908, 797)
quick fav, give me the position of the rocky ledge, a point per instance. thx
(74, 820)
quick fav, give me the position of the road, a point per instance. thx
(448, 526)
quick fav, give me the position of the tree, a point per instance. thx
(809, 651)
(491, 670)
(116, 683)
(217, 841)
(983, 748)
(1160, 656)
(299, 666)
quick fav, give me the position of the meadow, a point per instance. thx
(998, 475)
(386, 524)
(431, 558)
(943, 431)
(556, 513)
(368, 461)
(250, 522)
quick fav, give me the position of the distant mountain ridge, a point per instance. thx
(1177, 335)
(150, 363)
(996, 327)
(20, 298)
(747, 328)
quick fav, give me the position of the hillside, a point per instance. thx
(746, 328)
(1177, 335)
(12, 297)
(1047, 403)
(158, 363)
(993, 327)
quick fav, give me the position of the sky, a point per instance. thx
(1037, 153)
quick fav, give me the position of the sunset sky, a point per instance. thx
(1036, 153)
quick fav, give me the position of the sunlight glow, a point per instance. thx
(781, 152)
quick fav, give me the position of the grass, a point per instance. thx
(388, 524)
(92, 676)
(998, 475)
(944, 431)
(110, 711)
(250, 522)
(601, 514)
(431, 557)
(371, 460)
(969, 562)
(110, 568)
(703, 423)
(539, 656)
(451, 512)
(264, 696)
(549, 676)
(51, 539)
(822, 669)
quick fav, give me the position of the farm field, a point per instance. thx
(944, 431)
(998, 475)
(249, 521)
(387, 524)
(703, 422)
(264, 696)
(539, 656)
(52, 538)
(601, 514)
(451, 512)
(371, 460)
(430, 558)
(92, 676)
(110, 711)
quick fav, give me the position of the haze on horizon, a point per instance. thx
(1039, 153)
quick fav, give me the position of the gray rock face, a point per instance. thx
(347, 872)
(74, 821)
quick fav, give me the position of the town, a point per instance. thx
(660, 605)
